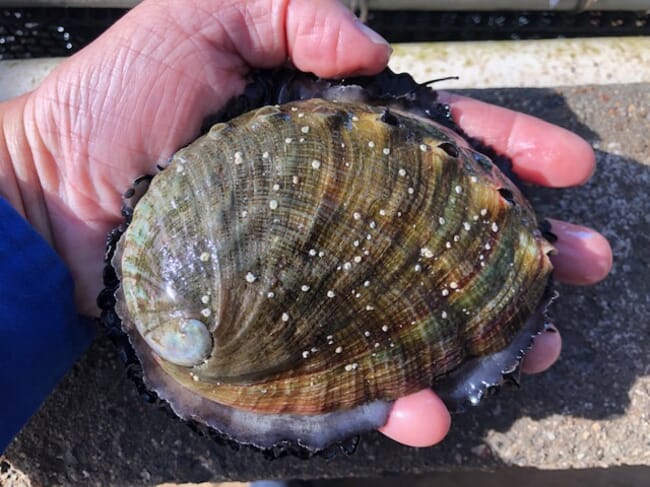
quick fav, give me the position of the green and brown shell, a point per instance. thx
(299, 267)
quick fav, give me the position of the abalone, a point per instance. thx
(302, 265)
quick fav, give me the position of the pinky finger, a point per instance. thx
(546, 350)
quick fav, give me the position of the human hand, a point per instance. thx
(129, 100)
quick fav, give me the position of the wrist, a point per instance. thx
(20, 150)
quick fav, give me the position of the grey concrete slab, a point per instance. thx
(591, 411)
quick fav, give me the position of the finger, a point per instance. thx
(541, 153)
(325, 38)
(583, 256)
(546, 350)
(316, 35)
(420, 419)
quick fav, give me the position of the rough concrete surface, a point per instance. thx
(591, 411)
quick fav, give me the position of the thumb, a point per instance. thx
(319, 36)
(325, 38)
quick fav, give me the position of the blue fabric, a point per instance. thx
(41, 334)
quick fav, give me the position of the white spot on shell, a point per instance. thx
(453, 285)
(312, 252)
(338, 349)
(356, 215)
(204, 257)
(402, 172)
(444, 315)
(304, 288)
(426, 252)
(424, 147)
(458, 189)
(285, 317)
(250, 277)
(205, 299)
(304, 129)
(330, 294)
(441, 220)
(276, 187)
(371, 144)
(495, 227)
(273, 204)
(386, 151)
(205, 312)
(270, 295)
(347, 266)
(295, 180)
(445, 292)
(488, 246)
(265, 155)
(315, 164)
(384, 328)
(410, 190)
(466, 226)
(288, 140)
(305, 354)
(239, 159)
(483, 211)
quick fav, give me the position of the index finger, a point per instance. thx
(541, 153)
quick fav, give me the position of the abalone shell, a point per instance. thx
(299, 267)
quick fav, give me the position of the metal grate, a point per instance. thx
(414, 26)
(47, 32)
(50, 32)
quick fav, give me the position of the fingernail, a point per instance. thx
(371, 35)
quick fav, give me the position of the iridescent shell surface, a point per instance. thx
(301, 266)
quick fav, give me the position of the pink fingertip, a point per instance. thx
(420, 419)
(584, 256)
(545, 352)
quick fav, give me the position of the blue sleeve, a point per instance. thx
(41, 334)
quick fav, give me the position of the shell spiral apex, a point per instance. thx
(300, 266)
